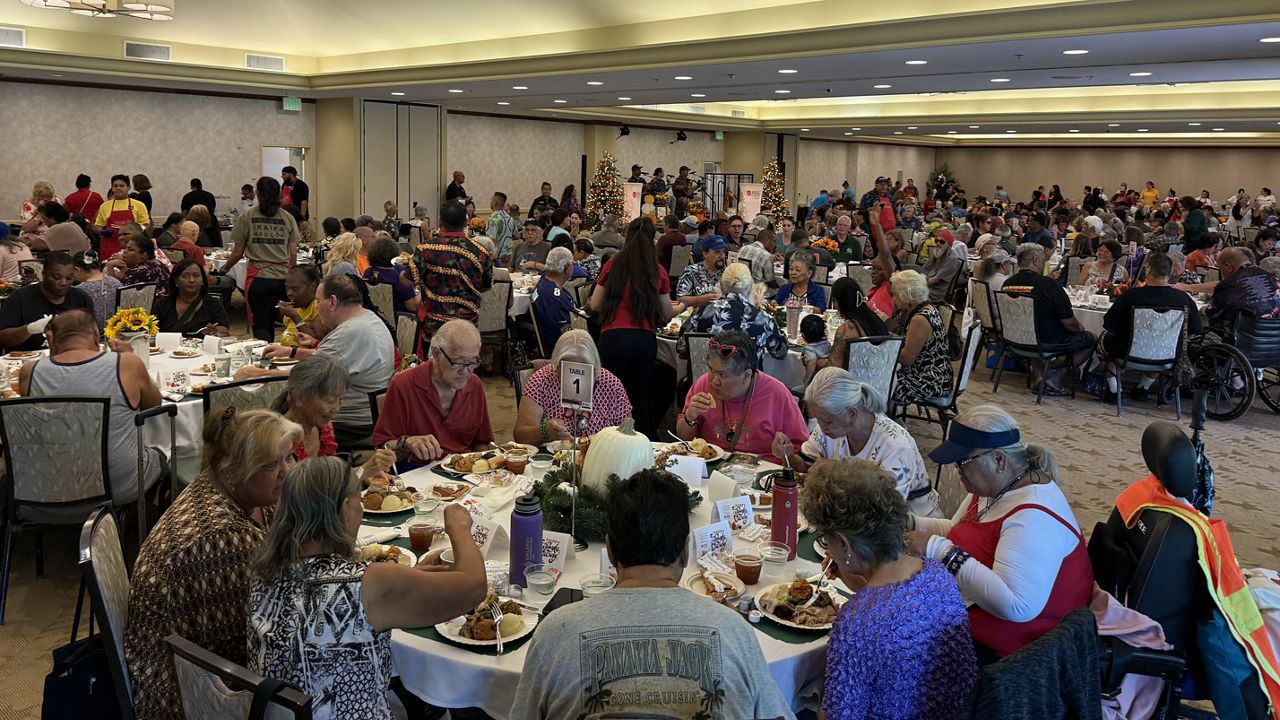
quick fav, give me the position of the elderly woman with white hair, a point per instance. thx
(735, 311)
(852, 424)
(553, 306)
(541, 418)
(1014, 546)
(438, 407)
(924, 364)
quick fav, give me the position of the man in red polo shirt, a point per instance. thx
(439, 407)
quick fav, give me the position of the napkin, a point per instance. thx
(376, 535)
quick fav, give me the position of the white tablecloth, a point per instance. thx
(520, 304)
(189, 422)
(450, 676)
(238, 272)
(1090, 318)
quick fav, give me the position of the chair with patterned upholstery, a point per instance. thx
(861, 274)
(376, 398)
(1153, 347)
(55, 457)
(141, 295)
(1019, 337)
(945, 406)
(105, 576)
(383, 297)
(214, 688)
(495, 304)
(1074, 266)
(873, 360)
(406, 332)
(698, 345)
(980, 298)
(251, 394)
(32, 269)
(821, 273)
(175, 255)
(681, 256)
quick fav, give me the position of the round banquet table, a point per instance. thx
(448, 675)
(1090, 318)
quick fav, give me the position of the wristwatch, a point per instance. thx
(687, 421)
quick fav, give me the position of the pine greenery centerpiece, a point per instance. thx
(554, 492)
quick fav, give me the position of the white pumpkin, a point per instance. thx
(617, 451)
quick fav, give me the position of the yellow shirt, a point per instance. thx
(140, 215)
(1150, 196)
(289, 338)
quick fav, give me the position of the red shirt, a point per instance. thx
(328, 445)
(412, 407)
(622, 318)
(85, 202)
(194, 252)
(669, 240)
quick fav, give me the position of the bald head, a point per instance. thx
(189, 231)
(1232, 259)
(366, 235)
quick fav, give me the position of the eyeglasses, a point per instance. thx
(962, 462)
(459, 366)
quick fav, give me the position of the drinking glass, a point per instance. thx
(774, 567)
(594, 584)
(542, 579)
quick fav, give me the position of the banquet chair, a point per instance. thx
(873, 361)
(141, 295)
(1020, 338)
(34, 268)
(821, 274)
(406, 333)
(104, 574)
(945, 406)
(495, 303)
(252, 394)
(862, 274)
(980, 297)
(519, 379)
(1211, 274)
(214, 688)
(55, 458)
(175, 256)
(383, 299)
(681, 256)
(1074, 266)
(1153, 347)
(698, 345)
(826, 291)
(543, 350)
(376, 398)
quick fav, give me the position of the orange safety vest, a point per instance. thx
(1226, 583)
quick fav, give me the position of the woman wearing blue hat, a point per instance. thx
(1014, 546)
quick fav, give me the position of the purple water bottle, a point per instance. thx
(526, 537)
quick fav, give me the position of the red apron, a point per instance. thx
(286, 195)
(110, 245)
(1071, 590)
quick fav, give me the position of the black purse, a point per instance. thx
(80, 684)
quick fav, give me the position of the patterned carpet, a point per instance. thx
(1099, 453)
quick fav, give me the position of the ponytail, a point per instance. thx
(1041, 459)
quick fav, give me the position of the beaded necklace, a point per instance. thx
(732, 435)
(975, 515)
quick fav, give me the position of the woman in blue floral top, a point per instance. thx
(735, 311)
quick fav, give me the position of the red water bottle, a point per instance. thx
(785, 500)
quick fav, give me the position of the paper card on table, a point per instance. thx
(212, 344)
(557, 548)
(689, 469)
(720, 486)
(606, 567)
(735, 510)
(484, 532)
(475, 507)
(712, 539)
(168, 341)
(577, 385)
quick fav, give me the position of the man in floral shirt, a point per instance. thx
(453, 271)
(499, 228)
(700, 282)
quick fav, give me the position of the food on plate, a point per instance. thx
(716, 588)
(375, 553)
(759, 498)
(498, 461)
(480, 466)
(702, 448)
(792, 603)
(564, 447)
(205, 369)
(184, 353)
(465, 462)
(479, 623)
(388, 499)
(449, 491)
(22, 354)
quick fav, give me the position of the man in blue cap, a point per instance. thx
(700, 282)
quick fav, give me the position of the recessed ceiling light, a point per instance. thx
(684, 77)
(804, 129)
(1113, 124)
(974, 127)
(1011, 131)
(1075, 52)
(1143, 130)
(1219, 129)
(455, 90)
(917, 62)
(782, 92)
(519, 87)
(594, 82)
(624, 98)
(560, 101)
(1193, 124)
(1073, 130)
(913, 127)
(503, 102)
(951, 132)
(788, 72)
(882, 87)
(855, 128)
(848, 133)
(697, 95)
(999, 79)
(398, 94)
(1140, 74)
(897, 132)
(1269, 39)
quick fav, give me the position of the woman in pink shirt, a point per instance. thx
(736, 406)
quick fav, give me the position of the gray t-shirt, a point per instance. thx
(656, 652)
(364, 345)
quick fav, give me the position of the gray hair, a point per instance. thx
(803, 258)
(991, 265)
(857, 500)
(310, 511)
(834, 391)
(576, 346)
(559, 260)
(736, 279)
(964, 231)
(365, 221)
(746, 358)
(909, 286)
(1177, 258)
(316, 376)
(1029, 253)
(610, 222)
(446, 338)
(993, 419)
(1271, 265)
(420, 211)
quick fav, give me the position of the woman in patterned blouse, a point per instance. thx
(320, 616)
(138, 264)
(192, 574)
(541, 418)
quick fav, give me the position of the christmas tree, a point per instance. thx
(773, 200)
(604, 191)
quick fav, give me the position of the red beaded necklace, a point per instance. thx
(733, 435)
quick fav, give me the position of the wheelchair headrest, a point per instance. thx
(1170, 457)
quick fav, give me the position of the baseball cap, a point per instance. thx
(637, 167)
(691, 221)
(946, 235)
(962, 440)
(713, 242)
(882, 179)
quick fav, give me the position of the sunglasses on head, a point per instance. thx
(724, 350)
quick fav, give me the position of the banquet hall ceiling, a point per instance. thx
(1072, 70)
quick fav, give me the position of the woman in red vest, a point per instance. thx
(1014, 546)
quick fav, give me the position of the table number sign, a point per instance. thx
(735, 510)
(577, 386)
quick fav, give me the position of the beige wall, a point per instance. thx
(824, 165)
(513, 156)
(1188, 170)
(57, 132)
(654, 149)
(337, 158)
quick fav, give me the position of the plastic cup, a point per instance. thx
(516, 461)
(594, 584)
(747, 564)
(774, 556)
(420, 536)
(425, 506)
(542, 579)
(540, 463)
(446, 558)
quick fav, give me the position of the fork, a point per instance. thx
(680, 440)
(496, 611)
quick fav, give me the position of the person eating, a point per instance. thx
(187, 308)
(1014, 545)
(438, 407)
(137, 265)
(852, 424)
(541, 417)
(734, 310)
(699, 284)
(25, 313)
(735, 406)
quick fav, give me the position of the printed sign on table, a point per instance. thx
(557, 548)
(484, 532)
(712, 538)
(632, 197)
(735, 510)
(577, 385)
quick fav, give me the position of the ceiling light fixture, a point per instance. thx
(1073, 130)
(951, 132)
(594, 82)
(160, 10)
(698, 95)
(1113, 124)
(503, 102)
(781, 92)
(804, 129)
(788, 71)
(398, 94)
(1075, 52)
(1139, 74)
(1218, 129)
(1143, 130)
(684, 77)
(974, 127)
(848, 133)
(917, 62)
(913, 127)
(1011, 131)
(455, 90)
(897, 132)
(999, 80)
(882, 87)
(561, 102)
(855, 128)
(519, 87)
(1193, 124)
(624, 98)
(1269, 39)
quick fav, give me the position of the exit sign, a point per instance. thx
(719, 134)
(291, 104)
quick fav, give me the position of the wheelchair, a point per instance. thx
(1236, 368)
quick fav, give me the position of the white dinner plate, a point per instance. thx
(720, 452)
(450, 630)
(409, 508)
(694, 583)
(406, 557)
(836, 598)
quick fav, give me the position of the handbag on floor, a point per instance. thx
(79, 685)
